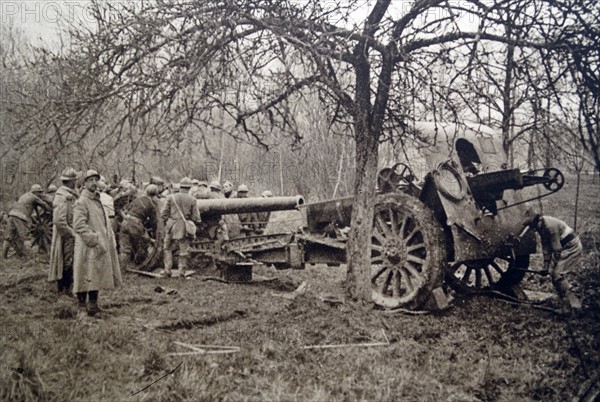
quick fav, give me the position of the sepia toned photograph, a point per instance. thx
(300, 200)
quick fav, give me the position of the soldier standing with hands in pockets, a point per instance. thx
(96, 264)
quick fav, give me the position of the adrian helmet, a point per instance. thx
(68, 174)
(215, 185)
(186, 182)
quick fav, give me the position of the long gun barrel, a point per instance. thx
(244, 205)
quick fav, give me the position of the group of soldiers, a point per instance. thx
(87, 222)
(183, 221)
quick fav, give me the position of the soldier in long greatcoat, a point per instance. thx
(63, 235)
(96, 263)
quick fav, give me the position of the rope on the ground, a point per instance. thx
(405, 311)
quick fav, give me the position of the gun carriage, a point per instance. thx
(464, 224)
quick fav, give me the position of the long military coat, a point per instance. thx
(63, 235)
(96, 265)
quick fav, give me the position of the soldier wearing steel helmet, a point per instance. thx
(202, 191)
(19, 220)
(194, 188)
(216, 190)
(178, 209)
(248, 219)
(216, 226)
(263, 217)
(95, 263)
(231, 221)
(63, 236)
(159, 183)
(228, 190)
(139, 220)
(48, 197)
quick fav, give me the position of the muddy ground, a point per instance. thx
(480, 349)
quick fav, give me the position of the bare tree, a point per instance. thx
(572, 69)
(254, 60)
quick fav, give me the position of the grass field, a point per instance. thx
(481, 349)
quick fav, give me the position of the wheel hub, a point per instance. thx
(395, 252)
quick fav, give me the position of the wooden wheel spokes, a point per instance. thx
(408, 253)
(399, 256)
(41, 229)
(478, 275)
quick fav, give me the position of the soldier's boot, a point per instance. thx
(125, 261)
(81, 298)
(93, 308)
(183, 264)
(68, 279)
(5, 247)
(567, 296)
(573, 300)
(21, 249)
(168, 262)
(64, 283)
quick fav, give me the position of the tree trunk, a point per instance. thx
(368, 123)
(358, 252)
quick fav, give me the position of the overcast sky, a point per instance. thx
(40, 20)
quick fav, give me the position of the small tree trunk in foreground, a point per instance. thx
(358, 252)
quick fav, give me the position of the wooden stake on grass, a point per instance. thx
(351, 345)
(347, 345)
(204, 349)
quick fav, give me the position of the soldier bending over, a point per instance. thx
(19, 220)
(141, 216)
(562, 253)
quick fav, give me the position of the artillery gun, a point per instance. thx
(464, 224)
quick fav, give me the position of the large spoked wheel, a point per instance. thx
(487, 274)
(41, 230)
(152, 256)
(408, 252)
